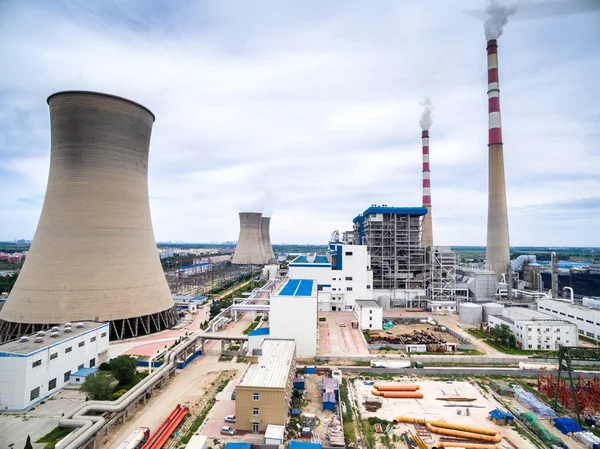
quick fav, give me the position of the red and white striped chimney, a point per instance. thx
(497, 251)
(427, 238)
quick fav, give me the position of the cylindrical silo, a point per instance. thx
(249, 248)
(491, 308)
(93, 256)
(469, 314)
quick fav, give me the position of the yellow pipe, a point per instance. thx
(446, 444)
(396, 387)
(398, 394)
(462, 434)
(459, 427)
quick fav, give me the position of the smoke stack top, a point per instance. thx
(496, 20)
(426, 117)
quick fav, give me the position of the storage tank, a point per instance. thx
(491, 308)
(469, 313)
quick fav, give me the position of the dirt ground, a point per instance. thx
(314, 404)
(431, 408)
(399, 329)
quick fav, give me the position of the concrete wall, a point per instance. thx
(273, 407)
(295, 317)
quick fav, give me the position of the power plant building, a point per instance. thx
(393, 239)
(38, 365)
(93, 256)
(586, 319)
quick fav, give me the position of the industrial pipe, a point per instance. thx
(445, 444)
(398, 394)
(571, 292)
(396, 387)
(440, 424)
(462, 434)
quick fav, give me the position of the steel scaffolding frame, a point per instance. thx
(442, 274)
(397, 255)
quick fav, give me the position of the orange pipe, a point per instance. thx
(444, 444)
(396, 387)
(462, 434)
(398, 394)
(471, 429)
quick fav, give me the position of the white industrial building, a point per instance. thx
(369, 314)
(37, 366)
(293, 315)
(439, 306)
(536, 330)
(587, 319)
(342, 276)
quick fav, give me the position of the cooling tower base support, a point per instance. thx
(119, 329)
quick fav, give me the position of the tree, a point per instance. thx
(28, 443)
(123, 368)
(98, 386)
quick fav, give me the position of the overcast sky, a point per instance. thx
(315, 105)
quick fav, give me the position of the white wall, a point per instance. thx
(539, 334)
(18, 376)
(369, 318)
(295, 317)
(322, 275)
(586, 320)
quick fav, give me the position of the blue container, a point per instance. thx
(311, 370)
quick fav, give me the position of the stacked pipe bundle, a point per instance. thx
(406, 391)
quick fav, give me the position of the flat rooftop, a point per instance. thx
(17, 347)
(273, 365)
(523, 314)
(318, 260)
(578, 307)
(368, 303)
(297, 287)
(419, 211)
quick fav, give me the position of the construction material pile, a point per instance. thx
(588, 439)
(416, 337)
(586, 389)
(533, 403)
(501, 388)
(533, 424)
(405, 391)
(335, 433)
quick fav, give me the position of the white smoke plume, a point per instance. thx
(265, 203)
(426, 117)
(496, 18)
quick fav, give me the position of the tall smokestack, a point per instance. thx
(93, 256)
(497, 251)
(425, 122)
(249, 248)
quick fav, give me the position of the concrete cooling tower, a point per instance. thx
(93, 256)
(249, 249)
(265, 234)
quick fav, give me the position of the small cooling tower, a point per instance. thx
(249, 248)
(93, 256)
(265, 234)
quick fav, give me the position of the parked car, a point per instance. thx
(233, 395)
(230, 418)
(226, 430)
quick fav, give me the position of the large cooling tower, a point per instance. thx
(265, 234)
(249, 248)
(497, 249)
(93, 256)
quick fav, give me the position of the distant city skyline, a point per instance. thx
(311, 111)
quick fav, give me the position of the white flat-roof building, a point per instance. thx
(535, 330)
(586, 319)
(441, 306)
(293, 315)
(343, 275)
(369, 314)
(37, 366)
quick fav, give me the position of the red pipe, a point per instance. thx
(166, 428)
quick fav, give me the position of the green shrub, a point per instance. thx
(322, 318)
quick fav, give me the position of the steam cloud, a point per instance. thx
(426, 118)
(265, 203)
(496, 18)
